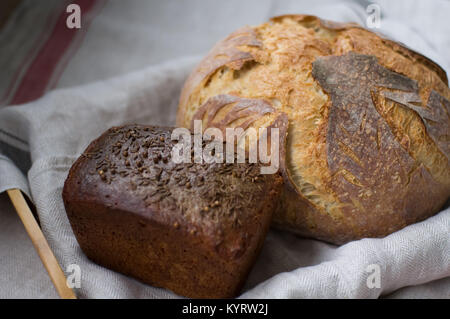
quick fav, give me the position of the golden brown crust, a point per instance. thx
(193, 228)
(334, 177)
(241, 108)
(434, 114)
(394, 45)
(224, 53)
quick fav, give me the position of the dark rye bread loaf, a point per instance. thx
(195, 229)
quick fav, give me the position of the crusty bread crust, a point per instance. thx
(368, 137)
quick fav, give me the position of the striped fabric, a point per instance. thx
(36, 45)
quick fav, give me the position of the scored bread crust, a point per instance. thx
(368, 136)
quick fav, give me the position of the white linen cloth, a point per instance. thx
(56, 128)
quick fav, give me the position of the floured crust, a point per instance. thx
(372, 170)
(393, 45)
(368, 119)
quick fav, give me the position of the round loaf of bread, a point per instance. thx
(367, 147)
